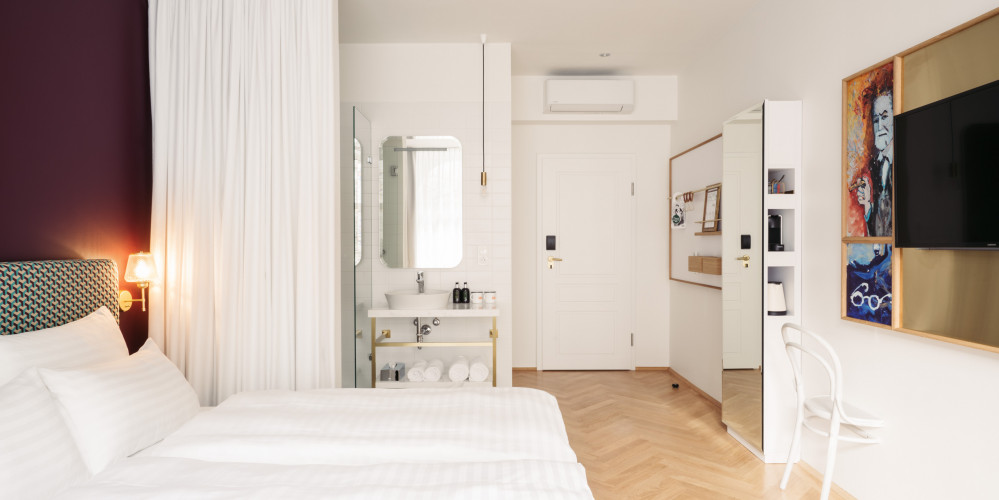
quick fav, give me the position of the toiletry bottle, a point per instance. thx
(456, 294)
(466, 294)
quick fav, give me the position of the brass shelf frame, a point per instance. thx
(380, 341)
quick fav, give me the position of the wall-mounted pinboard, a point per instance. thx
(694, 233)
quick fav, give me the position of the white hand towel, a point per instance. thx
(416, 372)
(433, 371)
(478, 371)
(459, 370)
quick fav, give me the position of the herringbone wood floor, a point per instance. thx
(641, 439)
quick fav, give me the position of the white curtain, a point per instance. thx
(245, 192)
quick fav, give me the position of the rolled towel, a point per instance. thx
(478, 370)
(433, 371)
(459, 370)
(416, 372)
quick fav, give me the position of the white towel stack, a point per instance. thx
(433, 371)
(416, 372)
(478, 371)
(459, 369)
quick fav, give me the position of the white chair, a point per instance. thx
(843, 422)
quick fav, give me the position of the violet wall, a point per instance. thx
(75, 134)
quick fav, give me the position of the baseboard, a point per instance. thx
(525, 368)
(696, 389)
(836, 489)
(752, 449)
(651, 368)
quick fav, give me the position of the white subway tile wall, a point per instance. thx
(486, 213)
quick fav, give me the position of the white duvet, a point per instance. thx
(178, 478)
(363, 427)
(359, 443)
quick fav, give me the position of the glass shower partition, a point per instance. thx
(356, 247)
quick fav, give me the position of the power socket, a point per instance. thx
(483, 256)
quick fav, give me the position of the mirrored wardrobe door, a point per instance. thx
(742, 275)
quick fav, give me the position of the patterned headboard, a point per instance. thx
(46, 293)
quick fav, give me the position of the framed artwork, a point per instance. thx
(869, 147)
(868, 282)
(678, 217)
(712, 207)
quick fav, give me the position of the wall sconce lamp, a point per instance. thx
(140, 270)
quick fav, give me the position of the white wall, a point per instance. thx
(695, 343)
(939, 399)
(650, 144)
(436, 89)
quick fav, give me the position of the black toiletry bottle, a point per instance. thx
(466, 295)
(456, 294)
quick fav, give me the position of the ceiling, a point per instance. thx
(553, 37)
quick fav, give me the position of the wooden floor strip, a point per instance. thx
(641, 439)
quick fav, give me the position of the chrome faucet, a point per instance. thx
(423, 329)
(419, 281)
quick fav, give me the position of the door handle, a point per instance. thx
(744, 259)
(552, 261)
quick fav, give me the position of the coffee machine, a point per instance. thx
(775, 238)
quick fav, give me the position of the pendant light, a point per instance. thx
(482, 178)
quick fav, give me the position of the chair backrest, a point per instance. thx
(822, 352)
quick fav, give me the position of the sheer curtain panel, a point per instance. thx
(244, 192)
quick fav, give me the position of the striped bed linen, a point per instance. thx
(37, 453)
(162, 478)
(365, 427)
(415, 444)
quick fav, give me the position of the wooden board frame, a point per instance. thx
(670, 193)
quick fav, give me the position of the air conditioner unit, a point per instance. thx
(589, 96)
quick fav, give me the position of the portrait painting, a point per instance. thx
(868, 282)
(870, 148)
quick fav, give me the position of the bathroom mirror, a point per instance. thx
(420, 202)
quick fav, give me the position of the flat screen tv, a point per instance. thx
(947, 172)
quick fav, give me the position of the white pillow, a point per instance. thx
(86, 341)
(38, 456)
(118, 408)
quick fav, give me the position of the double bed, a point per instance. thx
(134, 423)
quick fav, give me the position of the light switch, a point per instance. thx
(483, 256)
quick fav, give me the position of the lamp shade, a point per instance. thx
(140, 268)
(775, 299)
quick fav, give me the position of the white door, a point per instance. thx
(742, 259)
(587, 304)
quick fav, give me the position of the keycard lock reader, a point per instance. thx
(550, 242)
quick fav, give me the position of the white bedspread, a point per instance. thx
(176, 478)
(364, 427)
(418, 444)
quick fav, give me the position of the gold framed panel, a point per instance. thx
(937, 294)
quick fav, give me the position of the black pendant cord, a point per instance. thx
(483, 112)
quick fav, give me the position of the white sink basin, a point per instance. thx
(412, 299)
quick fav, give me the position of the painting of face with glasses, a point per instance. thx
(868, 282)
